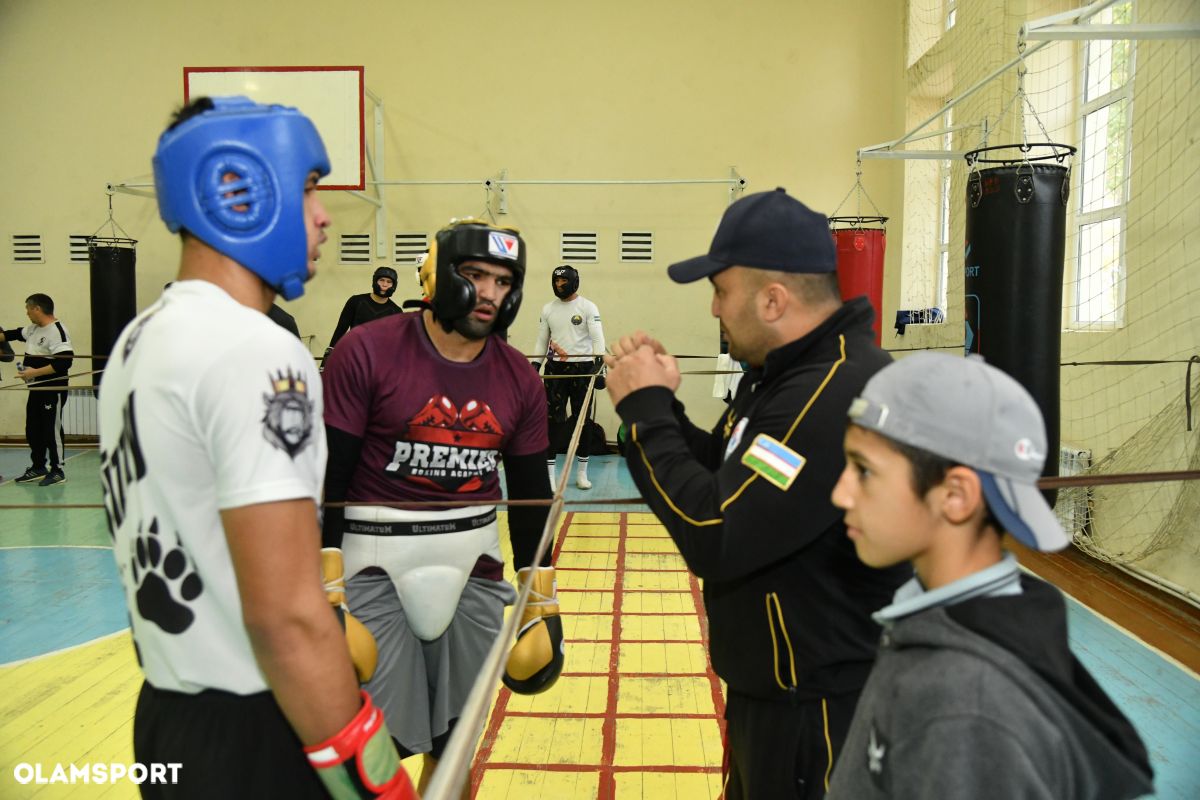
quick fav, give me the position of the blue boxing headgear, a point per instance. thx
(258, 218)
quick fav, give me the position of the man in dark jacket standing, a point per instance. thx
(788, 602)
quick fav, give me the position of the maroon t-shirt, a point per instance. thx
(432, 429)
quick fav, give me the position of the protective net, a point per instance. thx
(1132, 283)
(1141, 523)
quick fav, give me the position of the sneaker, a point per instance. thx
(52, 477)
(30, 475)
(582, 482)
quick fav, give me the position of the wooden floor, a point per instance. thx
(1157, 618)
(638, 710)
(637, 713)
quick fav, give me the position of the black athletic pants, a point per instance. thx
(780, 750)
(228, 746)
(564, 392)
(44, 427)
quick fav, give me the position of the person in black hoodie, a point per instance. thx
(975, 692)
(788, 604)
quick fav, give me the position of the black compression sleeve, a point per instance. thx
(343, 323)
(344, 450)
(527, 479)
(63, 361)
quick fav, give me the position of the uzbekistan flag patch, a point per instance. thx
(774, 461)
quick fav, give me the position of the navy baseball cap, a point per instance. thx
(765, 230)
(970, 412)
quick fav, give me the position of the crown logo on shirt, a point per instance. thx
(289, 414)
(287, 382)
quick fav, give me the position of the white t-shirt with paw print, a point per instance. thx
(205, 405)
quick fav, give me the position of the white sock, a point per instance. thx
(550, 469)
(581, 478)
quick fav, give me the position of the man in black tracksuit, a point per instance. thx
(48, 357)
(748, 504)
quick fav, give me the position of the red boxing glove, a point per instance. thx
(360, 760)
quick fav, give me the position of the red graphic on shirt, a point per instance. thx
(449, 449)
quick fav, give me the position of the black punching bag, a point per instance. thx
(114, 294)
(1015, 231)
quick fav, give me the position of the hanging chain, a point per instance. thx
(862, 192)
(1021, 99)
(111, 222)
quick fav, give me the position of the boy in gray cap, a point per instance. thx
(975, 692)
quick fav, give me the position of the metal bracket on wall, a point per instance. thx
(1044, 31)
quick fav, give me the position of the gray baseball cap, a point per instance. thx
(970, 412)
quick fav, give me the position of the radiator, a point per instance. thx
(81, 416)
(1074, 505)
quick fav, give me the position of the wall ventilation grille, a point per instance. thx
(354, 248)
(407, 248)
(637, 246)
(77, 246)
(27, 248)
(578, 246)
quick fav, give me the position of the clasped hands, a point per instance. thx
(638, 362)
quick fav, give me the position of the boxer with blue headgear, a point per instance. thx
(234, 177)
(250, 677)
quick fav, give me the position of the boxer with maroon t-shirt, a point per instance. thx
(422, 407)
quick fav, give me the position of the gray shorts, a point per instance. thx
(422, 686)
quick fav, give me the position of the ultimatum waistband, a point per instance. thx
(422, 527)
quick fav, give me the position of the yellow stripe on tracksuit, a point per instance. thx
(774, 598)
(828, 743)
(795, 423)
(778, 611)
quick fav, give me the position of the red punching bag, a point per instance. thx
(860, 244)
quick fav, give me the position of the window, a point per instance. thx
(951, 13)
(943, 251)
(1099, 295)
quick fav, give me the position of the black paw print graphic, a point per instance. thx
(154, 573)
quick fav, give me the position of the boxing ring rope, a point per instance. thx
(1061, 482)
(454, 768)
